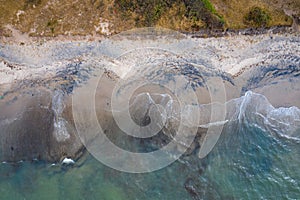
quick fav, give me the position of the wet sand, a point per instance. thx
(31, 75)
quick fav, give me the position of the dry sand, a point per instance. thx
(233, 55)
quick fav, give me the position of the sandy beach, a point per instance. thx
(218, 69)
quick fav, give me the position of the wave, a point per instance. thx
(252, 108)
(255, 109)
(210, 125)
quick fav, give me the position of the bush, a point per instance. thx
(148, 12)
(258, 17)
(205, 11)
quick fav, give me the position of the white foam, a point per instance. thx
(68, 161)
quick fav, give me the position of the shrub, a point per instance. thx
(205, 11)
(258, 17)
(149, 12)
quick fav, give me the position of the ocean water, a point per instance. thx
(256, 157)
(253, 159)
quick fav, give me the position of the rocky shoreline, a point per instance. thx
(38, 80)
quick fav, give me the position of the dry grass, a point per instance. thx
(8, 10)
(75, 17)
(54, 17)
(234, 11)
(179, 21)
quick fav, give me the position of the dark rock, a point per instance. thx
(190, 187)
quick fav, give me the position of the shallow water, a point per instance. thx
(247, 163)
(256, 157)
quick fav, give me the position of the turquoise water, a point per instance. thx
(246, 163)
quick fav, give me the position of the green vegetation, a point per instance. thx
(149, 12)
(205, 11)
(258, 17)
(146, 12)
(208, 5)
(234, 12)
(41, 18)
(52, 24)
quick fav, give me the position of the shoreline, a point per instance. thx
(37, 80)
(24, 38)
(253, 31)
(232, 54)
